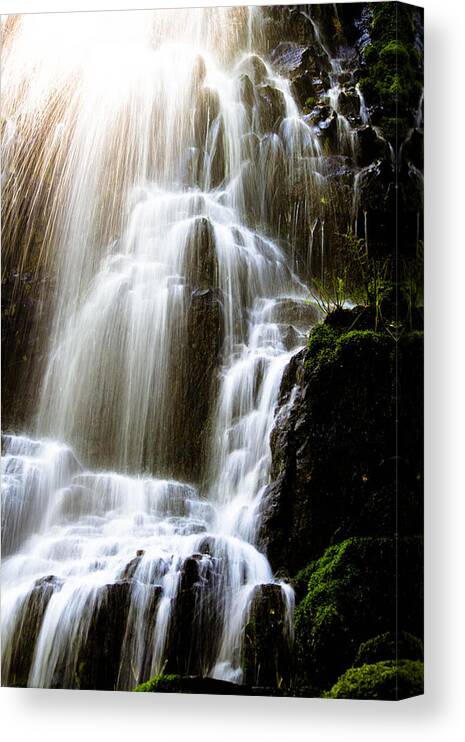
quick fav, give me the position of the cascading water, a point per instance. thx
(160, 152)
(158, 157)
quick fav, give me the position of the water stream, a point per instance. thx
(161, 149)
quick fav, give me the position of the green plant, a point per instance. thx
(330, 292)
(411, 285)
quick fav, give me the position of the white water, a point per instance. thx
(135, 172)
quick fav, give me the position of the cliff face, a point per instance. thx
(336, 470)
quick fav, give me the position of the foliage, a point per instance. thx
(387, 681)
(354, 276)
(391, 59)
(389, 646)
(161, 684)
(352, 596)
(392, 77)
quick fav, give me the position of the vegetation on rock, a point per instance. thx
(384, 681)
(354, 593)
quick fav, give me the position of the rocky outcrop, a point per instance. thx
(17, 665)
(99, 659)
(25, 316)
(335, 472)
(192, 639)
(267, 647)
(358, 589)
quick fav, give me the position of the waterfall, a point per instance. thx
(132, 502)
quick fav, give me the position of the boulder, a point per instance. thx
(192, 684)
(299, 313)
(255, 68)
(192, 639)
(381, 681)
(271, 107)
(266, 650)
(349, 103)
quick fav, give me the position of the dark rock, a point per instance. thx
(271, 107)
(26, 315)
(206, 111)
(193, 635)
(17, 664)
(329, 133)
(198, 377)
(334, 464)
(349, 103)
(192, 684)
(301, 314)
(266, 651)
(201, 260)
(413, 149)
(358, 589)
(255, 68)
(291, 338)
(305, 90)
(369, 146)
(99, 657)
(247, 91)
(131, 567)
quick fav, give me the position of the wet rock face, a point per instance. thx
(201, 260)
(99, 659)
(25, 315)
(271, 107)
(16, 668)
(193, 632)
(197, 363)
(266, 652)
(200, 375)
(301, 314)
(333, 446)
(369, 146)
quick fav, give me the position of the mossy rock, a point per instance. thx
(355, 591)
(191, 684)
(392, 77)
(389, 646)
(336, 472)
(382, 681)
(163, 684)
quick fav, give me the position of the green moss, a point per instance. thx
(321, 343)
(389, 646)
(393, 77)
(162, 684)
(327, 347)
(352, 595)
(386, 681)
(310, 103)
